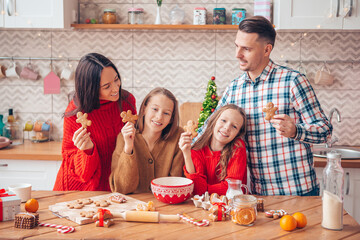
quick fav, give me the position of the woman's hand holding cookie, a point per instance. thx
(82, 140)
(284, 125)
(128, 132)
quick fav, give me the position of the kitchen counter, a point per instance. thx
(264, 228)
(52, 151)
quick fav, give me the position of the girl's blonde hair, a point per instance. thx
(171, 128)
(228, 151)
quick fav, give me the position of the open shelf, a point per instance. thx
(152, 26)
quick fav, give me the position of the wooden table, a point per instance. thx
(264, 228)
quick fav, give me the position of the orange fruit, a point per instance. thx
(245, 216)
(300, 219)
(32, 205)
(288, 223)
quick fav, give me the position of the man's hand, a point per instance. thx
(284, 125)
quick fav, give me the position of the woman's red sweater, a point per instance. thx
(205, 162)
(90, 170)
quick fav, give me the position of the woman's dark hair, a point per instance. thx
(228, 151)
(87, 83)
(171, 128)
(261, 26)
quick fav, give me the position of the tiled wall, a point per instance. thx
(180, 60)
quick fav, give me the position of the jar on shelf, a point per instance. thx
(243, 210)
(333, 193)
(237, 15)
(219, 16)
(199, 16)
(135, 16)
(13, 131)
(109, 16)
(177, 16)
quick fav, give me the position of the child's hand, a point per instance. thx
(82, 139)
(185, 142)
(128, 132)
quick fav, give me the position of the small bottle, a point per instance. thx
(12, 130)
(333, 193)
(1, 124)
(109, 16)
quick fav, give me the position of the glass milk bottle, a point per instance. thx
(333, 193)
(235, 188)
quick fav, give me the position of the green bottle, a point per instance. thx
(1, 125)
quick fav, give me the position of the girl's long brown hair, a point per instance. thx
(171, 128)
(228, 151)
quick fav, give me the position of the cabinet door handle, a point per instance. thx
(347, 183)
(338, 8)
(351, 7)
(4, 165)
(8, 4)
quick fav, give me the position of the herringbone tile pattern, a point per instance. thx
(182, 61)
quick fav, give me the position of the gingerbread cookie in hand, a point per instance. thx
(128, 117)
(270, 110)
(82, 118)
(190, 128)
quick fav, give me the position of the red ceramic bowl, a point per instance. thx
(172, 189)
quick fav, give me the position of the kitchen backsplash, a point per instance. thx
(181, 60)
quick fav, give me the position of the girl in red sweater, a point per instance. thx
(219, 153)
(87, 152)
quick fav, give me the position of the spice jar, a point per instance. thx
(109, 16)
(135, 16)
(219, 16)
(200, 16)
(243, 210)
(237, 15)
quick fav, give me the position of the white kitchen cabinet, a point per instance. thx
(39, 173)
(39, 13)
(352, 190)
(319, 14)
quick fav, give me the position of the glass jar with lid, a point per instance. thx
(243, 210)
(333, 193)
(135, 16)
(109, 16)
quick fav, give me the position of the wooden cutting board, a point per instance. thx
(61, 209)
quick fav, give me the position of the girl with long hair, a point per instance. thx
(219, 153)
(150, 148)
(87, 151)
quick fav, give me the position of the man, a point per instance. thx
(280, 155)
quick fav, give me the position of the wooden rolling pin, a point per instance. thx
(145, 216)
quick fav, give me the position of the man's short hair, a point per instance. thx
(261, 26)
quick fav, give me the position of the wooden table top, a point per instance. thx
(52, 151)
(264, 228)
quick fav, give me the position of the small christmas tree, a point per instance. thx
(210, 102)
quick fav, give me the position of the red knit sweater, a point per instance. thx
(80, 171)
(205, 162)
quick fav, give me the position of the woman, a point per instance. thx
(150, 149)
(87, 151)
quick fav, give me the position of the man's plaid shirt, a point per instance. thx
(279, 165)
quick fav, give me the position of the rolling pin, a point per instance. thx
(145, 216)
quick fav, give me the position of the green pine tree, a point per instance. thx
(209, 103)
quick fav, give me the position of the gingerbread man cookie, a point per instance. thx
(117, 198)
(190, 128)
(146, 206)
(82, 118)
(85, 201)
(128, 117)
(102, 203)
(75, 205)
(87, 214)
(270, 110)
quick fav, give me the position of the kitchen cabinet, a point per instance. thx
(38, 13)
(352, 190)
(41, 174)
(319, 14)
